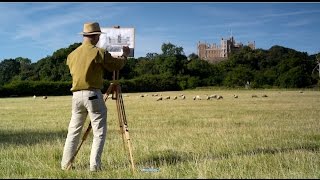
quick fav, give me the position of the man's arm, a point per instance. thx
(113, 63)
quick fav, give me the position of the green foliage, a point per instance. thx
(169, 49)
(145, 66)
(151, 56)
(8, 69)
(199, 68)
(193, 56)
(128, 71)
(25, 69)
(264, 78)
(188, 82)
(294, 78)
(54, 68)
(38, 88)
(152, 83)
(170, 65)
(239, 76)
(193, 82)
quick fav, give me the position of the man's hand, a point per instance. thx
(126, 51)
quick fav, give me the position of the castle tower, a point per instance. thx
(214, 53)
(202, 50)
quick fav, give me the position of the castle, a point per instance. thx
(215, 53)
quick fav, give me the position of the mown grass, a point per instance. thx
(265, 137)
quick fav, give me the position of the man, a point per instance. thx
(87, 64)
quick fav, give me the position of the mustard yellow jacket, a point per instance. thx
(87, 64)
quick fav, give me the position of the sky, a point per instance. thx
(36, 30)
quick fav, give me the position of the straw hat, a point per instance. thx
(91, 28)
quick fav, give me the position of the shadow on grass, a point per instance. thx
(305, 147)
(29, 137)
(270, 150)
(171, 157)
(168, 157)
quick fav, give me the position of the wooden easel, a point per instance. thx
(115, 90)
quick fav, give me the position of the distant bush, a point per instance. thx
(39, 88)
(150, 83)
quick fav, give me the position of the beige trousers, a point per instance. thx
(83, 103)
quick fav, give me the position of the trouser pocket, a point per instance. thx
(95, 103)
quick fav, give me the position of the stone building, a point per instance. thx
(216, 53)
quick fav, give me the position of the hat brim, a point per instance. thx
(91, 33)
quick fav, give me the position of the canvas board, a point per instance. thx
(114, 38)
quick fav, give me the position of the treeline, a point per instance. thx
(171, 70)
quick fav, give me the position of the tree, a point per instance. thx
(127, 72)
(25, 68)
(54, 68)
(8, 69)
(239, 76)
(199, 68)
(151, 56)
(193, 56)
(294, 78)
(171, 50)
(144, 66)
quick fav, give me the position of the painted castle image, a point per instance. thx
(216, 53)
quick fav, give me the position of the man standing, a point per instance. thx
(87, 64)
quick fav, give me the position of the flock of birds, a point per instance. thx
(159, 97)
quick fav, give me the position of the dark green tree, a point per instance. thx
(151, 56)
(8, 69)
(169, 49)
(26, 69)
(193, 56)
(238, 77)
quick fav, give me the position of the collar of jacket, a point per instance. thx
(87, 42)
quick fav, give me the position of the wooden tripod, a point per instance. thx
(116, 94)
(115, 90)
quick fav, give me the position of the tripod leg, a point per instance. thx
(123, 124)
(109, 91)
(120, 117)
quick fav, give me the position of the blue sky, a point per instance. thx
(36, 30)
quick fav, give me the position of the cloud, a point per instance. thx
(61, 24)
(285, 14)
(217, 10)
(40, 7)
(299, 23)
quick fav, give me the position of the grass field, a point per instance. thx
(264, 137)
